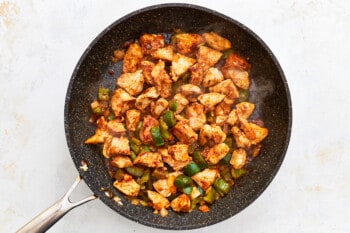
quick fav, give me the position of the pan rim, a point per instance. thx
(231, 20)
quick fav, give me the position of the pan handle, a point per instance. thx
(51, 215)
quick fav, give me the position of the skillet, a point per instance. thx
(269, 91)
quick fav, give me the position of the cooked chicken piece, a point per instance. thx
(244, 109)
(207, 56)
(121, 161)
(165, 53)
(238, 159)
(240, 138)
(253, 132)
(116, 128)
(181, 203)
(119, 146)
(145, 132)
(149, 159)
(214, 154)
(158, 107)
(132, 119)
(151, 42)
(132, 58)
(145, 99)
(196, 116)
(179, 65)
(206, 177)
(197, 74)
(128, 186)
(131, 82)
(179, 152)
(232, 118)
(121, 101)
(162, 187)
(212, 76)
(235, 68)
(175, 164)
(227, 88)
(211, 134)
(161, 79)
(220, 120)
(216, 42)
(183, 131)
(166, 186)
(211, 99)
(187, 43)
(158, 201)
(181, 101)
(195, 193)
(147, 67)
(222, 109)
(190, 91)
(100, 132)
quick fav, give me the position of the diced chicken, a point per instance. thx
(169, 159)
(100, 132)
(131, 82)
(187, 43)
(196, 116)
(240, 138)
(121, 101)
(238, 159)
(208, 57)
(161, 79)
(145, 99)
(179, 152)
(149, 159)
(162, 187)
(244, 109)
(181, 203)
(197, 74)
(190, 91)
(145, 132)
(116, 128)
(227, 88)
(165, 53)
(151, 42)
(195, 193)
(222, 109)
(211, 134)
(158, 107)
(119, 146)
(159, 202)
(181, 101)
(179, 65)
(206, 177)
(128, 186)
(184, 132)
(132, 58)
(212, 76)
(214, 154)
(121, 161)
(132, 119)
(253, 132)
(211, 99)
(147, 67)
(232, 118)
(235, 68)
(216, 41)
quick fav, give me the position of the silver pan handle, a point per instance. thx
(51, 215)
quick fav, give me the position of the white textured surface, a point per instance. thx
(40, 44)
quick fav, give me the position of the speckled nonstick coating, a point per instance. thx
(269, 90)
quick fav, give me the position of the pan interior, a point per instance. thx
(269, 91)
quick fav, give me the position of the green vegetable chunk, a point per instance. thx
(103, 94)
(210, 195)
(221, 186)
(191, 169)
(135, 171)
(182, 181)
(199, 160)
(173, 105)
(156, 136)
(169, 118)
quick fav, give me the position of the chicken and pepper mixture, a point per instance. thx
(176, 131)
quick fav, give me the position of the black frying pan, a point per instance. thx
(269, 91)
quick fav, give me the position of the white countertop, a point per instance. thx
(40, 44)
